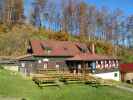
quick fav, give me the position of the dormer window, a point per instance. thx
(65, 48)
(46, 48)
(83, 49)
(48, 51)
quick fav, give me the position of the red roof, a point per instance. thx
(58, 48)
(65, 48)
(126, 67)
(90, 57)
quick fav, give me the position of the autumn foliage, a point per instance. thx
(62, 36)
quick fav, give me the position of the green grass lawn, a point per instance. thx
(12, 85)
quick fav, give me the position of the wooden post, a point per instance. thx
(84, 71)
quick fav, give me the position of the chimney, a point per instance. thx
(93, 48)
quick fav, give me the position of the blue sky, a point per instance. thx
(125, 5)
(27, 6)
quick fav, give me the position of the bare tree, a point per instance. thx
(37, 12)
(13, 11)
(83, 18)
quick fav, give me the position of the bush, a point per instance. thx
(61, 36)
(23, 99)
(1, 67)
(61, 79)
(128, 81)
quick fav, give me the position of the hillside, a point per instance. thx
(12, 85)
(14, 41)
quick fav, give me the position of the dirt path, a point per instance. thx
(9, 98)
(125, 88)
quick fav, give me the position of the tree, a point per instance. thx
(13, 12)
(130, 30)
(83, 18)
(37, 12)
(1, 11)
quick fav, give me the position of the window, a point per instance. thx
(23, 64)
(45, 65)
(97, 65)
(45, 60)
(57, 66)
(79, 66)
(39, 61)
(117, 63)
(115, 74)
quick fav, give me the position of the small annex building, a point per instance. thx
(73, 57)
(126, 72)
(8, 63)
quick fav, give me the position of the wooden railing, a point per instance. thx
(65, 76)
(106, 70)
(51, 75)
(54, 70)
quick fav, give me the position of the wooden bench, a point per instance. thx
(52, 78)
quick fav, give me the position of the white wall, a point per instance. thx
(109, 75)
(11, 68)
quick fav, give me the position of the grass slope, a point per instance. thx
(12, 85)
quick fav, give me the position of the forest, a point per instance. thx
(65, 20)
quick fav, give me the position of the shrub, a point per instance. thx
(128, 81)
(61, 36)
(1, 67)
(23, 99)
(61, 79)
